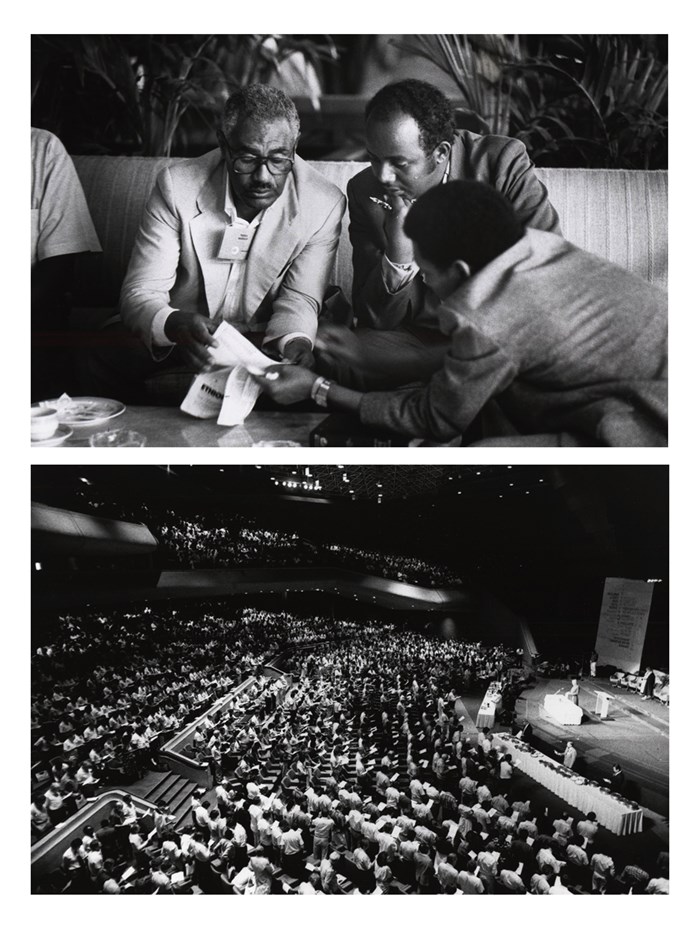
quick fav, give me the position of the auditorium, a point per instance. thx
(350, 679)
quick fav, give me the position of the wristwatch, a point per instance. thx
(319, 391)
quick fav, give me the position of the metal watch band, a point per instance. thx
(319, 391)
(315, 387)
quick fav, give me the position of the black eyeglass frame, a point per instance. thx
(259, 161)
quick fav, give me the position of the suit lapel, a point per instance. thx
(272, 247)
(206, 229)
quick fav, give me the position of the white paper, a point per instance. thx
(233, 349)
(229, 393)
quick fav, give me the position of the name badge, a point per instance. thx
(236, 241)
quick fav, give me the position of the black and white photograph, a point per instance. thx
(349, 240)
(350, 679)
(437, 664)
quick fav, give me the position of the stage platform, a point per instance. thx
(635, 734)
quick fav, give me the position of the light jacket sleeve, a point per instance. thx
(152, 270)
(297, 304)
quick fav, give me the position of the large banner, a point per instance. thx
(622, 627)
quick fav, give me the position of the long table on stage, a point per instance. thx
(563, 709)
(621, 816)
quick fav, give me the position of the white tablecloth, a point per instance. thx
(563, 710)
(487, 710)
(615, 813)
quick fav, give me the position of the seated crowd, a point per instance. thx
(235, 540)
(355, 773)
(396, 567)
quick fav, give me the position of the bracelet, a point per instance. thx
(315, 387)
(319, 391)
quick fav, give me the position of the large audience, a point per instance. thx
(109, 688)
(235, 540)
(398, 568)
(352, 772)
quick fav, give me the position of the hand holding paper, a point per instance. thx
(193, 333)
(293, 383)
(231, 349)
(229, 392)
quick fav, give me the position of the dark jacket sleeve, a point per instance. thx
(475, 369)
(374, 305)
(515, 177)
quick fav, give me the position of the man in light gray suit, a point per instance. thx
(574, 347)
(246, 234)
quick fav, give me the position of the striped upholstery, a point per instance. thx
(621, 215)
(618, 214)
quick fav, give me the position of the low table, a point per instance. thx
(171, 427)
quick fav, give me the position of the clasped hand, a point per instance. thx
(399, 245)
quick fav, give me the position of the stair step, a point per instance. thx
(182, 811)
(182, 799)
(156, 793)
(174, 792)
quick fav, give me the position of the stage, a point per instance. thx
(635, 734)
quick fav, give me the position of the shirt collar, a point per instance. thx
(230, 207)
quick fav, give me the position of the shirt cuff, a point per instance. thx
(158, 338)
(395, 275)
(281, 342)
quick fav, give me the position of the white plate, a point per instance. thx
(63, 432)
(85, 411)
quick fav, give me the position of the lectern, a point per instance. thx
(602, 703)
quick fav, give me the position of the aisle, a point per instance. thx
(465, 719)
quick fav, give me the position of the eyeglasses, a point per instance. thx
(249, 163)
(275, 163)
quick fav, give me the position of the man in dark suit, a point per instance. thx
(574, 347)
(617, 781)
(648, 684)
(413, 145)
